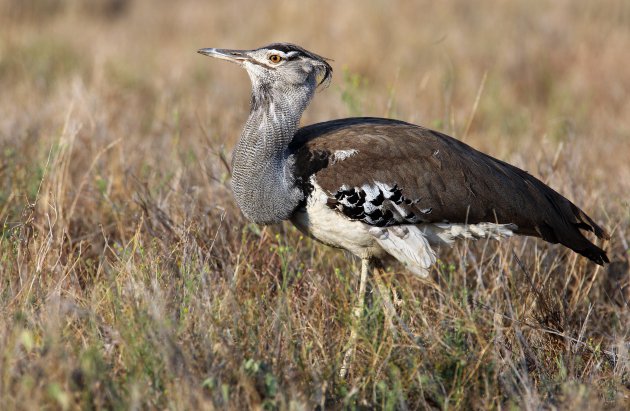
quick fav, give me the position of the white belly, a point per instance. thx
(334, 229)
(410, 244)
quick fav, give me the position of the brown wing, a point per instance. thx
(401, 173)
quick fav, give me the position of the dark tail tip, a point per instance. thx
(592, 252)
(595, 254)
(586, 223)
(600, 232)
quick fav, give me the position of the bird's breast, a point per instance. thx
(316, 219)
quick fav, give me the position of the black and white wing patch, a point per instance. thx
(377, 204)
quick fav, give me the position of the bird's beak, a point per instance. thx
(235, 56)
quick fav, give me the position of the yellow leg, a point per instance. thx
(366, 266)
(388, 305)
(391, 317)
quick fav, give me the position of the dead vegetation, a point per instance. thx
(128, 279)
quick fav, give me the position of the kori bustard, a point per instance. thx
(379, 187)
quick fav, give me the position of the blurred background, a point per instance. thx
(114, 141)
(516, 79)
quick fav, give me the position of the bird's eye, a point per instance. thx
(275, 58)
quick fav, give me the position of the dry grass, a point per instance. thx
(130, 280)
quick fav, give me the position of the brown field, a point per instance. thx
(130, 280)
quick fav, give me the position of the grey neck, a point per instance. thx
(262, 172)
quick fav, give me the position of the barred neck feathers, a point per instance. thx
(262, 175)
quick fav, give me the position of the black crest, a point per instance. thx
(289, 47)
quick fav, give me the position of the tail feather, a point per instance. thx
(569, 235)
(408, 245)
(588, 249)
(595, 254)
(586, 223)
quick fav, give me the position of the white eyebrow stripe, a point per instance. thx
(274, 51)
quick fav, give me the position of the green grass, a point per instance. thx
(129, 279)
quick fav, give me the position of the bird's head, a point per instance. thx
(278, 66)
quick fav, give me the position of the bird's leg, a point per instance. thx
(366, 267)
(391, 317)
(388, 306)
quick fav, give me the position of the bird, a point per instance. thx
(377, 187)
